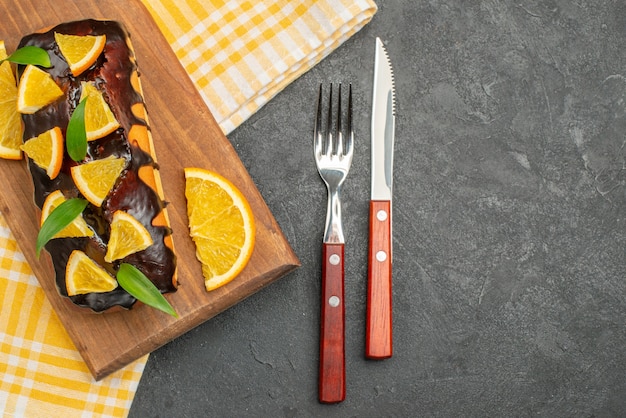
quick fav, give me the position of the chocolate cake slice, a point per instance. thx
(138, 189)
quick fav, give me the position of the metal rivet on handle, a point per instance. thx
(381, 256)
(334, 259)
(334, 301)
(381, 215)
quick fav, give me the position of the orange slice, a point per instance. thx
(95, 179)
(83, 275)
(10, 120)
(128, 236)
(80, 52)
(99, 119)
(46, 150)
(221, 224)
(78, 227)
(36, 90)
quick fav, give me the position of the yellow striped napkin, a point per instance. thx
(239, 53)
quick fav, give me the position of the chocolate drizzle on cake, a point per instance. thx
(112, 74)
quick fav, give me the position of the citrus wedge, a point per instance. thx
(36, 90)
(99, 119)
(221, 224)
(10, 120)
(78, 227)
(128, 236)
(80, 52)
(46, 150)
(83, 275)
(95, 179)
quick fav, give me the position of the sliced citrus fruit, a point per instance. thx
(83, 275)
(10, 120)
(46, 150)
(95, 179)
(78, 227)
(36, 90)
(80, 52)
(99, 119)
(221, 224)
(128, 236)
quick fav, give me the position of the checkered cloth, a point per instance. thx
(239, 53)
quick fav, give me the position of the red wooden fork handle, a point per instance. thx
(332, 373)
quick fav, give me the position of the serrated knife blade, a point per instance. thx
(379, 339)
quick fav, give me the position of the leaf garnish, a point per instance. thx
(30, 55)
(76, 135)
(139, 286)
(59, 218)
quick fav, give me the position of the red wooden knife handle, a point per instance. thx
(378, 333)
(332, 374)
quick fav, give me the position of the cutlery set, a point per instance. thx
(333, 156)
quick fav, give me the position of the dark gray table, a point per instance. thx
(510, 204)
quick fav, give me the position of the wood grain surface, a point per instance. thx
(185, 134)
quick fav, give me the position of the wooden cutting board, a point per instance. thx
(185, 135)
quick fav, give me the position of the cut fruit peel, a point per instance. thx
(80, 51)
(36, 90)
(78, 227)
(95, 179)
(84, 275)
(10, 120)
(46, 150)
(128, 236)
(221, 224)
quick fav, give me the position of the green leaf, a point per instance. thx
(76, 135)
(30, 55)
(59, 218)
(138, 285)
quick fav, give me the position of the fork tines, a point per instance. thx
(325, 133)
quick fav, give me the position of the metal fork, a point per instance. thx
(333, 157)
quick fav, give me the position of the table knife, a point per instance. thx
(378, 341)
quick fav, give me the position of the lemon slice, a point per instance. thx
(95, 179)
(78, 227)
(99, 119)
(10, 120)
(221, 224)
(80, 52)
(36, 90)
(127, 236)
(46, 150)
(83, 275)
